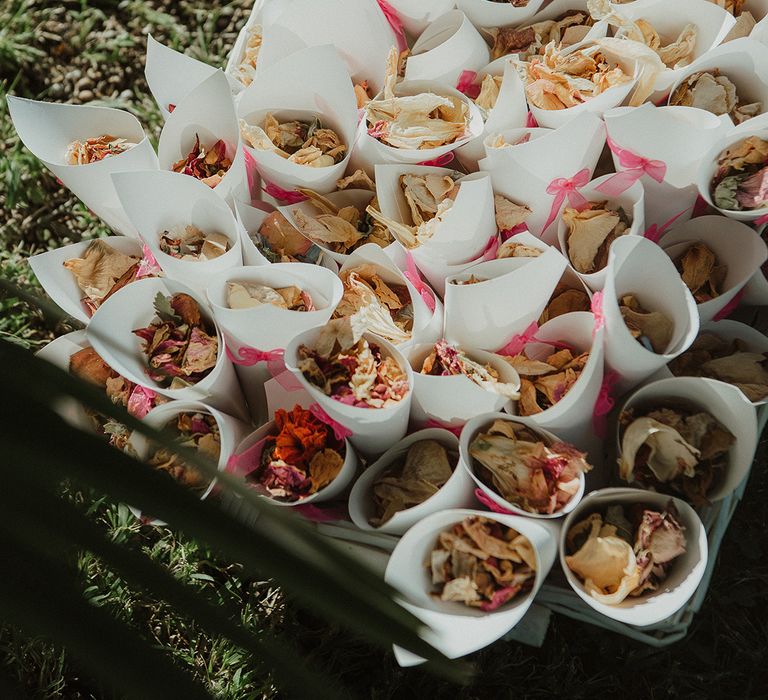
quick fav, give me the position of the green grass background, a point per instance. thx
(81, 51)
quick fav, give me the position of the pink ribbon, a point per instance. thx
(760, 220)
(340, 431)
(467, 85)
(562, 187)
(252, 173)
(530, 121)
(440, 161)
(491, 249)
(518, 342)
(596, 306)
(605, 403)
(507, 233)
(489, 503)
(287, 196)
(700, 207)
(321, 515)
(412, 275)
(730, 307)
(275, 359)
(655, 232)
(635, 167)
(455, 429)
(394, 22)
(148, 266)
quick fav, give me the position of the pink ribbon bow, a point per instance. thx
(455, 429)
(467, 85)
(530, 121)
(655, 232)
(635, 167)
(148, 266)
(412, 275)
(730, 307)
(287, 196)
(491, 249)
(518, 342)
(489, 503)
(340, 431)
(395, 22)
(507, 233)
(605, 403)
(275, 359)
(596, 306)
(440, 161)
(562, 187)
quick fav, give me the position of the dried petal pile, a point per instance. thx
(249, 295)
(482, 563)
(195, 430)
(207, 165)
(566, 29)
(101, 272)
(301, 142)
(625, 552)
(415, 476)
(741, 180)
(279, 241)
(374, 305)
(94, 149)
(674, 449)
(652, 329)
(341, 229)
(590, 232)
(420, 121)
(702, 274)
(524, 469)
(245, 71)
(545, 382)
(302, 457)
(447, 360)
(509, 214)
(560, 80)
(564, 300)
(727, 360)
(349, 369)
(88, 365)
(191, 244)
(179, 345)
(714, 92)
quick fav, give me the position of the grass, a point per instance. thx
(46, 50)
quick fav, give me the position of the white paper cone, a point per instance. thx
(736, 245)
(632, 262)
(161, 201)
(685, 573)
(509, 112)
(307, 84)
(453, 400)
(487, 13)
(231, 432)
(483, 422)
(357, 28)
(631, 201)
(756, 290)
(208, 111)
(465, 228)
(725, 403)
(450, 45)
(111, 335)
(453, 628)
(371, 151)
(261, 13)
(486, 315)
(335, 488)
(678, 136)
(47, 129)
(373, 429)
(711, 21)
(417, 15)
(268, 327)
(59, 283)
(172, 75)
(571, 417)
(455, 493)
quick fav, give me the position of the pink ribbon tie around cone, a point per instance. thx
(604, 404)
(491, 249)
(466, 84)
(596, 306)
(340, 431)
(655, 232)
(507, 233)
(440, 161)
(562, 187)
(489, 503)
(730, 307)
(252, 173)
(287, 196)
(455, 429)
(635, 167)
(412, 275)
(530, 121)
(247, 357)
(700, 207)
(394, 22)
(517, 343)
